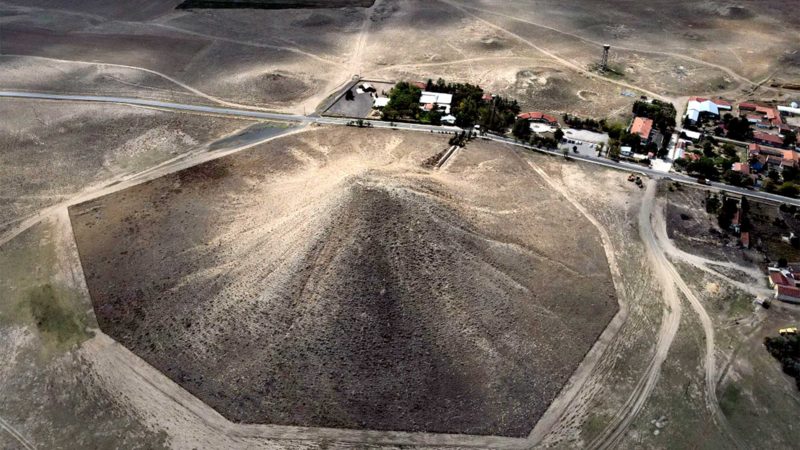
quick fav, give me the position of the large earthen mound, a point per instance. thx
(328, 279)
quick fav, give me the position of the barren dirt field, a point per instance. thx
(540, 52)
(51, 151)
(327, 279)
(177, 280)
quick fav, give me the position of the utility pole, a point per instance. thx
(494, 106)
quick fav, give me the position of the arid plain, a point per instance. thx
(196, 281)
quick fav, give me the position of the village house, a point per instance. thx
(787, 294)
(693, 136)
(761, 116)
(742, 168)
(539, 117)
(699, 108)
(767, 139)
(784, 280)
(718, 102)
(449, 119)
(430, 100)
(643, 127)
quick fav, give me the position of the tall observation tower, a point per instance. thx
(604, 61)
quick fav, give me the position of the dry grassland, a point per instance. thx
(537, 51)
(51, 151)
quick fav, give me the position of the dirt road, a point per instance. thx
(562, 403)
(705, 264)
(555, 57)
(612, 435)
(127, 180)
(670, 279)
(664, 246)
(730, 72)
(15, 434)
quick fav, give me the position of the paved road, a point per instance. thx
(234, 112)
(263, 115)
(685, 179)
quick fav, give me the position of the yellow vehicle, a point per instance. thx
(788, 331)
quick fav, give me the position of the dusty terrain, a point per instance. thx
(52, 151)
(540, 52)
(347, 237)
(366, 298)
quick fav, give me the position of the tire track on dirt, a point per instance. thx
(705, 264)
(555, 57)
(712, 403)
(612, 435)
(179, 83)
(563, 402)
(125, 181)
(285, 48)
(727, 70)
(16, 434)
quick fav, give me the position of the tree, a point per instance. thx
(774, 175)
(708, 149)
(745, 205)
(790, 173)
(788, 190)
(733, 178)
(663, 114)
(348, 96)
(565, 152)
(729, 150)
(559, 134)
(613, 152)
(704, 167)
(726, 212)
(403, 101)
(466, 113)
(712, 204)
(789, 138)
(521, 130)
(739, 129)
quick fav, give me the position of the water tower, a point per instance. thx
(604, 61)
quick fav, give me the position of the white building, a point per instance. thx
(696, 108)
(442, 101)
(692, 135)
(449, 119)
(380, 102)
(792, 109)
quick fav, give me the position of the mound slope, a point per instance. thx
(327, 279)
